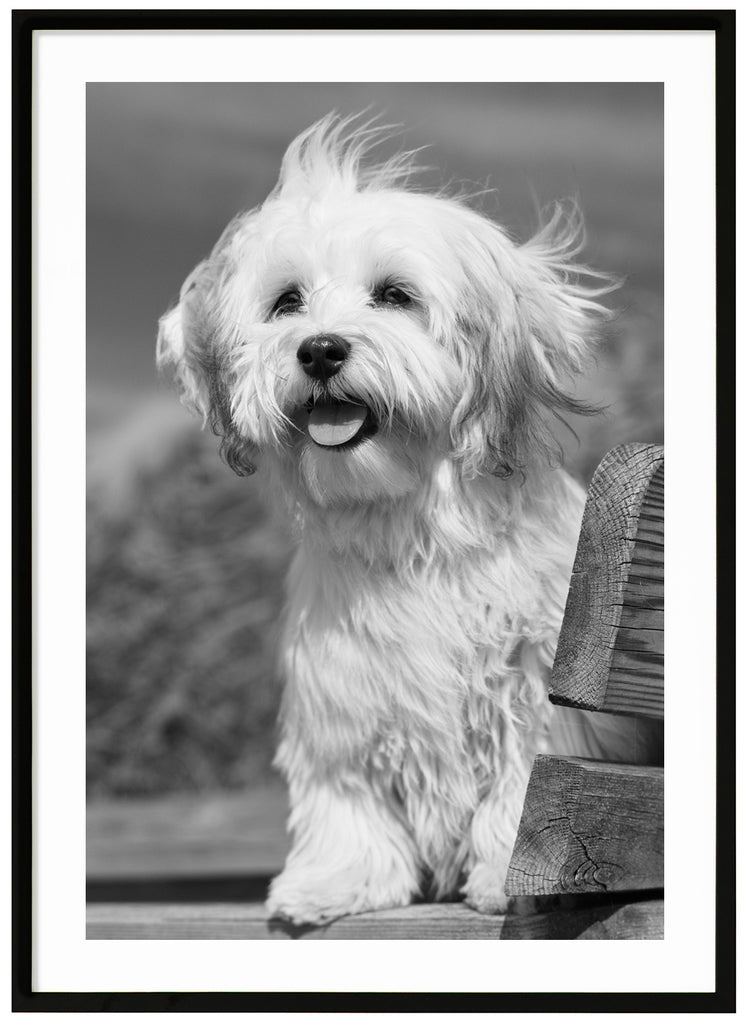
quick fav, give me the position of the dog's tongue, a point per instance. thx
(334, 423)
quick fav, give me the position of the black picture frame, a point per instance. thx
(723, 24)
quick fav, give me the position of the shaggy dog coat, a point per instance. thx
(390, 361)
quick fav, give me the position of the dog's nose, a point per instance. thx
(323, 355)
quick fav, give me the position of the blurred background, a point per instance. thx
(185, 560)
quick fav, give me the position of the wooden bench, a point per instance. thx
(593, 826)
(590, 841)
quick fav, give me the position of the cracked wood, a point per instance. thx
(589, 826)
(610, 654)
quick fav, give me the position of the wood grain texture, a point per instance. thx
(589, 826)
(643, 920)
(188, 836)
(610, 654)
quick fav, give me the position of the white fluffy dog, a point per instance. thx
(390, 359)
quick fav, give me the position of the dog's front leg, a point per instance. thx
(491, 841)
(350, 853)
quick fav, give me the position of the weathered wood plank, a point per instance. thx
(188, 836)
(589, 826)
(643, 920)
(610, 654)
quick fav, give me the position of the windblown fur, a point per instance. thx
(435, 549)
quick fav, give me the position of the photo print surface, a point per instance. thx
(406, 323)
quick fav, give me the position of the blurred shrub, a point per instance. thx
(185, 569)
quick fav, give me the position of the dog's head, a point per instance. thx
(357, 332)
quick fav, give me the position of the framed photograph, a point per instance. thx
(348, 347)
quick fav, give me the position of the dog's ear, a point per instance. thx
(182, 345)
(186, 349)
(528, 327)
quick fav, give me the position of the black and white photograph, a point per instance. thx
(375, 510)
(346, 348)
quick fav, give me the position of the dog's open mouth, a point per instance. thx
(334, 424)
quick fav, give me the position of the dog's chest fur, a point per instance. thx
(419, 647)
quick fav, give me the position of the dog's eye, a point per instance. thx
(288, 302)
(391, 295)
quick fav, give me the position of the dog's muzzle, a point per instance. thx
(332, 423)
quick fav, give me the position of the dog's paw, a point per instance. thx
(309, 905)
(483, 890)
(319, 901)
